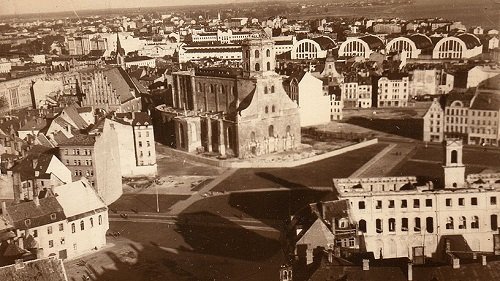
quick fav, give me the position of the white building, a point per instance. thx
(140, 61)
(434, 122)
(413, 45)
(72, 222)
(136, 143)
(397, 217)
(195, 52)
(5, 66)
(393, 90)
(312, 48)
(356, 92)
(307, 91)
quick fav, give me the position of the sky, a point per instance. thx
(11, 7)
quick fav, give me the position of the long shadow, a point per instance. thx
(280, 181)
(409, 127)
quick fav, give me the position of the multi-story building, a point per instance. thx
(109, 88)
(312, 48)
(462, 46)
(363, 46)
(434, 122)
(197, 52)
(307, 91)
(136, 143)
(399, 217)
(71, 222)
(393, 90)
(222, 36)
(221, 110)
(96, 158)
(356, 91)
(15, 93)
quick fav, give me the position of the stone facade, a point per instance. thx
(229, 112)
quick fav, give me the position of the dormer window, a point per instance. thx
(53, 216)
(27, 222)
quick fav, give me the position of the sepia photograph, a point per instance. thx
(249, 140)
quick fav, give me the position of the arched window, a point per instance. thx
(449, 223)
(100, 219)
(268, 66)
(273, 108)
(82, 225)
(429, 224)
(454, 157)
(91, 222)
(271, 131)
(272, 89)
(392, 224)
(257, 54)
(247, 53)
(252, 136)
(212, 89)
(268, 53)
(462, 223)
(265, 90)
(362, 226)
(288, 130)
(266, 109)
(73, 228)
(257, 67)
(475, 222)
(378, 225)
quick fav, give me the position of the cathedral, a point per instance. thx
(231, 112)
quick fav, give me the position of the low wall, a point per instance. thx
(255, 164)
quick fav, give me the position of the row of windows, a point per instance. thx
(428, 203)
(77, 151)
(273, 109)
(148, 143)
(139, 134)
(88, 173)
(87, 162)
(141, 153)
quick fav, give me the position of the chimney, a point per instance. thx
(4, 208)
(456, 262)
(20, 242)
(410, 271)
(35, 162)
(366, 264)
(19, 264)
(36, 200)
(483, 260)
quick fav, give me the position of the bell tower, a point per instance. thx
(454, 169)
(259, 57)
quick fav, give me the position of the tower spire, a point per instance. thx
(120, 52)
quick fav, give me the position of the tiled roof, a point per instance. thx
(324, 42)
(373, 41)
(121, 82)
(26, 169)
(471, 41)
(37, 215)
(71, 112)
(80, 139)
(486, 101)
(48, 269)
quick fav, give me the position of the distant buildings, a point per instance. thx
(312, 48)
(363, 46)
(462, 46)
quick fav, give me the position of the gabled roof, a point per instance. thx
(48, 269)
(80, 139)
(48, 211)
(318, 233)
(71, 112)
(486, 101)
(87, 198)
(31, 163)
(121, 82)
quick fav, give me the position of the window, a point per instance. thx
(62, 241)
(100, 219)
(392, 224)
(271, 131)
(148, 144)
(52, 216)
(429, 224)
(73, 228)
(416, 203)
(82, 225)
(493, 200)
(74, 246)
(378, 225)
(449, 223)
(257, 67)
(35, 233)
(391, 203)
(49, 230)
(61, 227)
(257, 53)
(362, 226)
(91, 222)
(272, 89)
(379, 204)
(454, 157)
(418, 226)
(51, 243)
(494, 222)
(448, 202)
(265, 90)
(140, 143)
(462, 224)
(461, 201)
(27, 222)
(428, 202)
(351, 242)
(404, 224)
(361, 205)
(473, 201)
(268, 64)
(475, 222)
(268, 53)
(404, 203)
(273, 108)
(266, 109)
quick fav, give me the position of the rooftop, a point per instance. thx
(48, 269)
